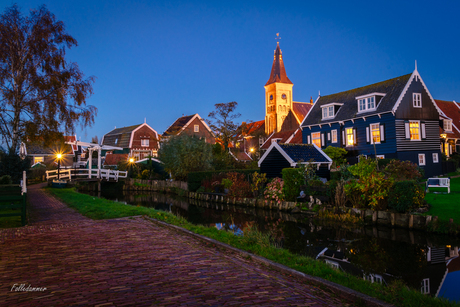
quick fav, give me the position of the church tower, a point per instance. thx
(278, 94)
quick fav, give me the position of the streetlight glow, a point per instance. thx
(59, 156)
(131, 160)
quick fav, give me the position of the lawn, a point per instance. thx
(252, 241)
(445, 206)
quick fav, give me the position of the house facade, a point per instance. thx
(48, 154)
(192, 125)
(449, 127)
(396, 119)
(138, 141)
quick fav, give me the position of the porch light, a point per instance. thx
(444, 136)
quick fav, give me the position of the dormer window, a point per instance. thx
(368, 102)
(448, 125)
(330, 110)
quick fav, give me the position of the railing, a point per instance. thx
(79, 173)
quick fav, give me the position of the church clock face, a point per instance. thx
(271, 97)
(283, 96)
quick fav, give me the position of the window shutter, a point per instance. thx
(343, 137)
(422, 127)
(328, 136)
(406, 123)
(322, 139)
(355, 141)
(382, 133)
(308, 139)
(367, 135)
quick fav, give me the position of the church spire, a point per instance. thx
(278, 73)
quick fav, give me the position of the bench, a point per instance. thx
(438, 183)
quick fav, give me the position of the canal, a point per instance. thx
(423, 261)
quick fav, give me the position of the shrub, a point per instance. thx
(240, 186)
(257, 183)
(194, 179)
(402, 170)
(6, 179)
(337, 155)
(293, 179)
(274, 190)
(372, 185)
(406, 195)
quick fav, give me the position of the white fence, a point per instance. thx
(71, 174)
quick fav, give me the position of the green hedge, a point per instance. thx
(293, 180)
(194, 179)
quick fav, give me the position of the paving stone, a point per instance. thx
(137, 262)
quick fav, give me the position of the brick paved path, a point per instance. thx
(133, 261)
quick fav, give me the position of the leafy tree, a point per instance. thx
(183, 154)
(40, 92)
(222, 122)
(12, 165)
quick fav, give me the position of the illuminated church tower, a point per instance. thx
(278, 95)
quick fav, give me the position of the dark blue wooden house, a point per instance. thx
(279, 156)
(395, 119)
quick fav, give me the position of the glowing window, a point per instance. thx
(350, 137)
(316, 139)
(334, 136)
(414, 128)
(375, 133)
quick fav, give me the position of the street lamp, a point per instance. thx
(59, 157)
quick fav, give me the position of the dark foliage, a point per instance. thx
(195, 179)
(11, 164)
(405, 196)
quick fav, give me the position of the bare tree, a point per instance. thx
(41, 94)
(221, 121)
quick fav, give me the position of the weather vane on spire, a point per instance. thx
(278, 37)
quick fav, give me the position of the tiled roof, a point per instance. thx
(300, 110)
(38, 148)
(240, 155)
(451, 110)
(278, 73)
(113, 159)
(251, 128)
(392, 88)
(283, 135)
(119, 137)
(303, 152)
(297, 139)
(178, 125)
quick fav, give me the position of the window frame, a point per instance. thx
(328, 112)
(39, 160)
(316, 138)
(363, 104)
(435, 157)
(334, 138)
(145, 142)
(419, 130)
(417, 100)
(347, 137)
(371, 135)
(449, 125)
(196, 128)
(421, 162)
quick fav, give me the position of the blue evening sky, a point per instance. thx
(160, 60)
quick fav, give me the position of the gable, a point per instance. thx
(405, 108)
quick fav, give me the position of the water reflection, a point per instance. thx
(423, 261)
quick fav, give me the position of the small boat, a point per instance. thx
(59, 183)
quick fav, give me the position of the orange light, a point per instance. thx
(252, 149)
(59, 156)
(131, 160)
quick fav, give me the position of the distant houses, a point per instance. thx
(46, 155)
(138, 141)
(192, 125)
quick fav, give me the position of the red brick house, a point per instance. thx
(138, 141)
(449, 126)
(192, 125)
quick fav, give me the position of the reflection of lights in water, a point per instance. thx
(237, 231)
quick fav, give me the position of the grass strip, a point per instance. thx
(445, 206)
(254, 242)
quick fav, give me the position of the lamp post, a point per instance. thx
(131, 162)
(59, 156)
